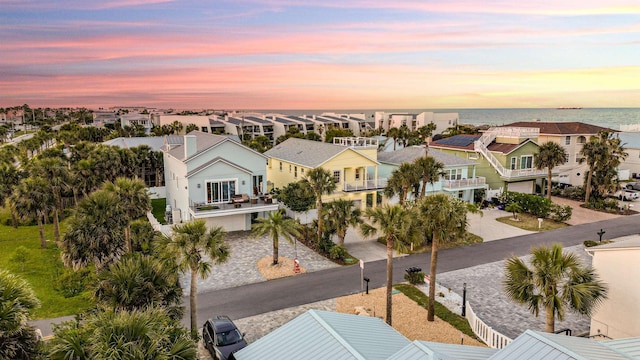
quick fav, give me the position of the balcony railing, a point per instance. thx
(253, 204)
(476, 182)
(365, 185)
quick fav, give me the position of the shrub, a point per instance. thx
(590, 243)
(20, 255)
(72, 283)
(560, 213)
(531, 204)
(414, 277)
(338, 252)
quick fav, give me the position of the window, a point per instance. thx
(513, 163)
(302, 171)
(220, 191)
(358, 174)
(453, 174)
(336, 176)
(289, 168)
(582, 139)
(567, 140)
(295, 171)
(205, 129)
(280, 165)
(526, 162)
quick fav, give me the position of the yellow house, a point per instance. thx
(352, 161)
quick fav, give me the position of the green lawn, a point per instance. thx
(530, 222)
(158, 207)
(41, 269)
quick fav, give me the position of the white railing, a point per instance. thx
(464, 183)
(517, 132)
(154, 222)
(480, 145)
(365, 185)
(492, 338)
(482, 148)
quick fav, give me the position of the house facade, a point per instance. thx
(215, 178)
(505, 157)
(571, 136)
(442, 121)
(617, 265)
(352, 162)
(460, 179)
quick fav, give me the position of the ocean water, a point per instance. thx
(606, 117)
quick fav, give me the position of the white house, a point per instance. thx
(215, 178)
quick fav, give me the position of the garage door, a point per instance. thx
(525, 187)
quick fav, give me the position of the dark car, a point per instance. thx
(222, 337)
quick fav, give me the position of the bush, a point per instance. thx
(560, 213)
(338, 252)
(531, 204)
(590, 243)
(415, 277)
(72, 283)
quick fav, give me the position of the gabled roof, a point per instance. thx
(409, 154)
(204, 141)
(307, 153)
(327, 335)
(561, 128)
(539, 345)
(426, 350)
(214, 161)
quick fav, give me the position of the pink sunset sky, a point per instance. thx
(347, 54)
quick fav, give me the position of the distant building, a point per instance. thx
(442, 121)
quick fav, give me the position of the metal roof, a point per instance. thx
(258, 120)
(327, 335)
(154, 142)
(284, 121)
(304, 120)
(630, 346)
(426, 350)
(534, 345)
(409, 154)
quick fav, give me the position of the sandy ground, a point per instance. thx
(408, 318)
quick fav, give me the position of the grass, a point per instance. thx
(41, 269)
(441, 311)
(158, 208)
(530, 222)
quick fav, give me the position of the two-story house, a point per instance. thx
(352, 162)
(460, 178)
(504, 156)
(215, 178)
(571, 136)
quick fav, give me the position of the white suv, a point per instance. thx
(626, 194)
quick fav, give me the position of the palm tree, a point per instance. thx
(603, 154)
(32, 198)
(190, 245)
(394, 223)
(56, 174)
(430, 170)
(443, 219)
(17, 339)
(555, 281)
(9, 179)
(394, 134)
(321, 182)
(276, 225)
(134, 201)
(137, 282)
(95, 232)
(550, 155)
(341, 214)
(402, 179)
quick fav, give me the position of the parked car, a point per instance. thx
(626, 194)
(221, 337)
(633, 186)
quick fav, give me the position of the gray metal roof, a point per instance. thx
(409, 154)
(300, 119)
(203, 142)
(534, 345)
(258, 120)
(154, 142)
(327, 335)
(426, 350)
(629, 347)
(304, 152)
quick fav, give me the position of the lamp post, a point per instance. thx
(464, 299)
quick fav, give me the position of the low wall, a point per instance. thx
(492, 338)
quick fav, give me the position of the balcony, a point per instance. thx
(254, 205)
(365, 185)
(462, 184)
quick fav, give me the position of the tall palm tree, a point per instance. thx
(137, 282)
(394, 223)
(17, 339)
(430, 170)
(341, 214)
(443, 219)
(9, 178)
(603, 154)
(321, 182)
(276, 225)
(402, 179)
(134, 201)
(550, 155)
(32, 199)
(556, 281)
(56, 174)
(394, 134)
(191, 244)
(95, 233)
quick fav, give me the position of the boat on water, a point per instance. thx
(569, 108)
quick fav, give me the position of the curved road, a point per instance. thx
(259, 298)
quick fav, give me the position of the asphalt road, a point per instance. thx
(258, 298)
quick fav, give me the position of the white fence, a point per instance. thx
(490, 337)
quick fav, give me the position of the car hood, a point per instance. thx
(227, 350)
